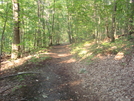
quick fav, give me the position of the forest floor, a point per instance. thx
(62, 78)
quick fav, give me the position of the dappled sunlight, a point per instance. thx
(13, 63)
(71, 83)
(63, 55)
(119, 56)
(100, 56)
(85, 56)
(80, 45)
(92, 50)
(75, 83)
(71, 60)
(6, 65)
(87, 44)
(49, 53)
(9, 64)
(114, 47)
(83, 52)
(55, 55)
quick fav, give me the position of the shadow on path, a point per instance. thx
(57, 81)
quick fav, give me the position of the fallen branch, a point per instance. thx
(19, 73)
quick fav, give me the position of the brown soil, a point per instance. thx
(56, 80)
(62, 78)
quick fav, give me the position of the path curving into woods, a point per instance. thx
(56, 80)
(59, 81)
(62, 78)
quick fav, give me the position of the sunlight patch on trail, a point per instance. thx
(75, 83)
(63, 55)
(119, 56)
(9, 64)
(69, 61)
(71, 83)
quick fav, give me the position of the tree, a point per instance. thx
(113, 21)
(3, 31)
(16, 35)
(131, 26)
(40, 23)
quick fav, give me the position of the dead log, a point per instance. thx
(19, 73)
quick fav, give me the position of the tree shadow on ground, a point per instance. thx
(55, 81)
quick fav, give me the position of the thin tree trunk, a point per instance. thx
(16, 35)
(53, 25)
(44, 27)
(113, 22)
(39, 23)
(69, 26)
(2, 36)
(69, 29)
(131, 21)
(22, 35)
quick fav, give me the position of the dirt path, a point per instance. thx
(62, 78)
(56, 82)
(59, 80)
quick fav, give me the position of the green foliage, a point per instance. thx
(89, 50)
(44, 21)
(38, 58)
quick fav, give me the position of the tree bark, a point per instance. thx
(16, 35)
(131, 21)
(2, 36)
(69, 25)
(53, 25)
(69, 29)
(113, 22)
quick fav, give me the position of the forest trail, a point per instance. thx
(62, 78)
(60, 83)
(56, 82)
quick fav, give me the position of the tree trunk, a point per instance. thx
(2, 36)
(69, 29)
(16, 34)
(131, 21)
(113, 22)
(53, 25)
(39, 23)
(69, 26)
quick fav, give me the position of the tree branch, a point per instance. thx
(19, 73)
